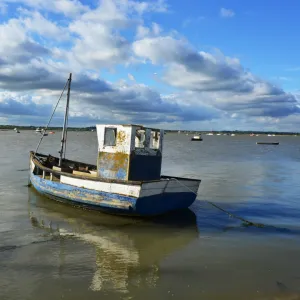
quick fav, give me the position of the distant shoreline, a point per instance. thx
(93, 128)
(33, 128)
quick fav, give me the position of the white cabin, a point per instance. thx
(129, 152)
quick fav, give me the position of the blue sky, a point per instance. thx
(174, 64)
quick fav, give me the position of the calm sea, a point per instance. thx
(52, 251)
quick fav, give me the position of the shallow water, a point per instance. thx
(52, 251)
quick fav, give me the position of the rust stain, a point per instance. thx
(113, 161)
(121, 137)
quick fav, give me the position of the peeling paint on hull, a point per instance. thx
(111, 202)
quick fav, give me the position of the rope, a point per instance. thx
(50, 119)
(249, 223)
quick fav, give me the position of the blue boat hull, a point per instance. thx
(111, 202)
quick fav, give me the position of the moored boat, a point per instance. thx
(126, 179)
(267, 143)
(196, 138)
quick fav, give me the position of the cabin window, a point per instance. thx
(110, 136)
(140, 139)
(154, 139)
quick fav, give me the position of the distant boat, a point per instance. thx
(51, 132)
(210, 133)
(218, 133)
(42, 131)
(16, 130)
(267, 143)
(196, 138)
(232, 134)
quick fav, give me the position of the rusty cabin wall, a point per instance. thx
(113, 161)
(113, 165)
(126, 162)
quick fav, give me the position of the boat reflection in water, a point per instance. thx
(128, 251)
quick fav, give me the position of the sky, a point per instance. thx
(172, 64)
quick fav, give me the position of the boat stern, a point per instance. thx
(168, 194)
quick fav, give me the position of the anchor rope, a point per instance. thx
(249, 223)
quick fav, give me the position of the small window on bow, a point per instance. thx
(110, 136)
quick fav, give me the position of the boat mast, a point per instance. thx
(63, 137)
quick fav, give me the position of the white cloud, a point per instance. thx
(226, 13)
(156, 29)
(226, 83)
(131, 77)
(97, 46)
(16, 46)
(36, 22)
(70, 8)
(142, 32)
(37, 52)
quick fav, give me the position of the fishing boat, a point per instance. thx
(126, 179)
(196, 138)
(267, 143)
